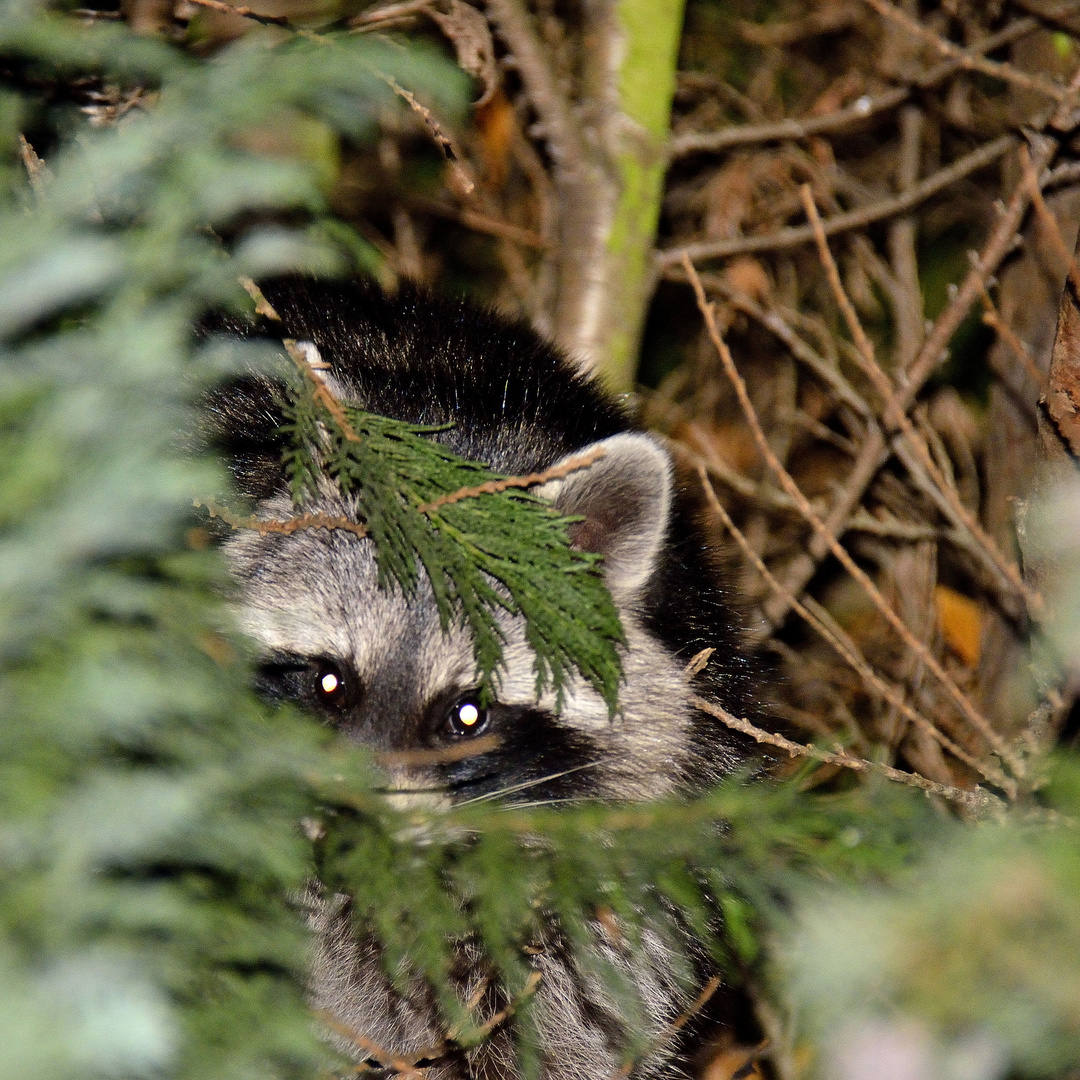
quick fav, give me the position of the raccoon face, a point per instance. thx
(377, 666)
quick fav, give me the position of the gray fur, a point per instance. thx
(314, 594)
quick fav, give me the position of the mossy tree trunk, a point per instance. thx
(607, 138)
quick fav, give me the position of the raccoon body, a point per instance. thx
(379, 667)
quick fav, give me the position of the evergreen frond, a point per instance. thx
(483, 543)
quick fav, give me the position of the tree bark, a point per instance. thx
(609, 155)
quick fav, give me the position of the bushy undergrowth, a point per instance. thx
(149, 806)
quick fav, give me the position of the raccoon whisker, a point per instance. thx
(548, 802)
(525, 785)
(435, 788)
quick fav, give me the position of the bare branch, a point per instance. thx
(896, 418)
(977, 802)
(852, 219)
(1005, 72)
(556, 472)
(963, 702)
(847, 650)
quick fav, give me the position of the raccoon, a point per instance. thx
(379, 668)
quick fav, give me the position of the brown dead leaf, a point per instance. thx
(495, 124)
(746, 275)
(470, 35)
(961, 623)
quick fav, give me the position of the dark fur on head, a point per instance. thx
(514, 403)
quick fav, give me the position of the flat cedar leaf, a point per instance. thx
(504, 550)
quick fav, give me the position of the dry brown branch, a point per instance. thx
(399, 1065)
(482, 223)
(490, 487)
(1005, 72)
(390, 12)
(874, 452)
(963, 702)
(560, 129)
(306, 357)
(774, 322)
(1047, 220)
(859, 111)
(404, 759)
(246, 12)
(994, 251)
(707, 457)
(1064, 14)
(263, 306)
(285, 526)
(951, 502)
(438, 133)
(847, 650)
(977, 802)
(827, 20)
(37, 172)
(992, 318)
(795, 235)
(530, 988)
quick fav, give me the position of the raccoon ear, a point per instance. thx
(625, 499)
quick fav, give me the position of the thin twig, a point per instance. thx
(560, 128)
(245, 12)
(864, 356)
(874, 451)
(977, 720)
(305, 355)
(438, 134)
(1049, 223)
(994, 251)
(284, 526)
(491, 487)
(263, 306)
(860, 110)
(795, 235)
(530, 988)
(482, 223)
(977, 801)
(401, 1066)
(847, 650)
(1005, 72)
(673, 1028)
(404, 759)
(993, 319)
(775, 323)
(37, 172)
(374, 16)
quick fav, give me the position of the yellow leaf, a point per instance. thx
(961, 623)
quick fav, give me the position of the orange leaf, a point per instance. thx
(961, 623)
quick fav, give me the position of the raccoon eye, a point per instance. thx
(467, 717)
(331, 687)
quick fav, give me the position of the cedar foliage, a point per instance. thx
(405, 488)
(149, 805)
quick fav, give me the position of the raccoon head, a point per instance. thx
(378, 666)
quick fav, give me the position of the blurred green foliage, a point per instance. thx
(967, 966)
